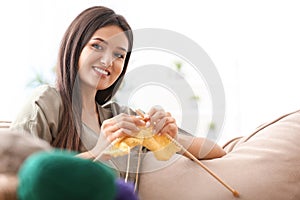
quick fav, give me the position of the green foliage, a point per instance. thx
(178, 65)
(212, 126)
(196, 97)
(40, 79)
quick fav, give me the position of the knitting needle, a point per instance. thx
(128, 165)
(138, 168)
(234, 192)
(140, 113)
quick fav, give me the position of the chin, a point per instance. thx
(103, 87)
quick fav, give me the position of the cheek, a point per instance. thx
(86, 57)
(119, 68)
(119, 71)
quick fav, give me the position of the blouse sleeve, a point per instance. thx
(40, 115)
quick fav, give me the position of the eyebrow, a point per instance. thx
(105, 42)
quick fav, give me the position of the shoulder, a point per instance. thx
(46, 96)
(45, 99)
(41, 112)
(45, 92)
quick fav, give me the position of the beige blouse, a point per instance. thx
(42, 113)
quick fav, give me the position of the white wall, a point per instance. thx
(255, 46)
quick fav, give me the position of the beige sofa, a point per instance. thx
(264, 165)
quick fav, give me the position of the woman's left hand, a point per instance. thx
(162, 122)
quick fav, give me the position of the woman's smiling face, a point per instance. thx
(102, 59)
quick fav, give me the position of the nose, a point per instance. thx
(106, 60)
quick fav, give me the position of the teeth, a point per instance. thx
(101, 71)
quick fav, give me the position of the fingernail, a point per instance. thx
(154, 131)
(146, 116)
(147, 124)
(128, 132)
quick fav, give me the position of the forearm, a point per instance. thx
(204, 148)
(95, 152)
(201, 148)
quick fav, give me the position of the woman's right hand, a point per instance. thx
(120, 126)
(117, 127)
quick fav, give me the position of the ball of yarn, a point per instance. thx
(60, 176)
(125, 191)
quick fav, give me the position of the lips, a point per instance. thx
(101, 71)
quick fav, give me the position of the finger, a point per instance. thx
(157, 117)
(124, 120)
(162, 123)
(118, 134)
(171, 129)
(107, 133)
(140, 113)
(168, 114)
(155, 109)
(158, 125)
(113, 131)
(107, 128)
(128, 128)
(137, 120)
(109, 123)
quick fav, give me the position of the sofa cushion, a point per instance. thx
(262, 165)
(8, 186)
(16, 147)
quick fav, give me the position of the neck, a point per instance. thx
(90, 114)
(88, 99)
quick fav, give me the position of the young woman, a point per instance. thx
(77, 113)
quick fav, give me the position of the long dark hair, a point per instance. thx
(76, 37)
